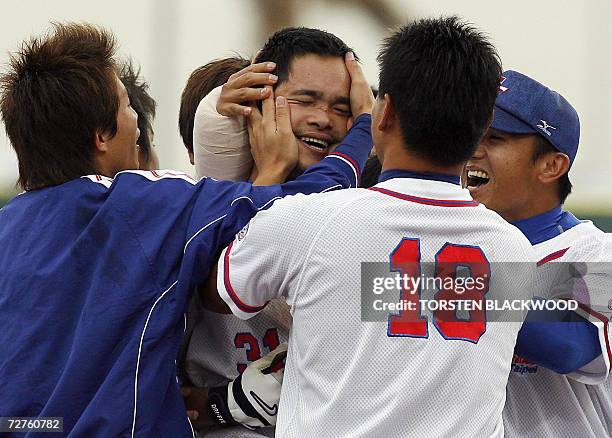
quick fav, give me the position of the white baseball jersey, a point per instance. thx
(409, 374)
(541, 402)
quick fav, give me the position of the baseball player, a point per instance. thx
(221, 346)
(420, 372)
(521, 171)
(199, 84)
(144, 105)
(97, 262)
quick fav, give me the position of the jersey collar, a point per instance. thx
(398, 173)
(545, 226)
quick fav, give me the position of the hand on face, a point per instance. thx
(273, 145)
(247, 85)
(362, 98)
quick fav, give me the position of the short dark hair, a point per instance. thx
(371, 172)
(59, 91)
(442, 76)
(544, 147)
(141, 101)
(291, 42)
(202, 81)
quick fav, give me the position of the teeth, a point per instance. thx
(322, 143)
(478, 174)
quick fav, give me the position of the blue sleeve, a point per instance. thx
(182, 223)
(561, 341)
(341, 168)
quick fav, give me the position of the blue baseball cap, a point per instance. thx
(524, 106)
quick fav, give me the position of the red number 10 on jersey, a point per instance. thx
(406, 259)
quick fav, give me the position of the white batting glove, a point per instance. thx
(251, 399)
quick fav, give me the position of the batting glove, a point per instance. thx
(251, 399)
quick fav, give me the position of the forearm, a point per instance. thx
(561, 341)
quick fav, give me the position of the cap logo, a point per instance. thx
(502, 89)
(544, 127)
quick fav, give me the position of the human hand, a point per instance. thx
(273, 145)
(362, 98)
(247, 85)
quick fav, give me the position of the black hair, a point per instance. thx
(544, 147)
(371, 172)
(290, 42)
(442, 76)
(140, 100)
(59, 90)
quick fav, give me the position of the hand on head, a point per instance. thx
(248, 85)
(362, 98)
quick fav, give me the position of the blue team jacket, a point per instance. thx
(95, 276)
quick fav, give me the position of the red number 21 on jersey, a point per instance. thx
(406, 259)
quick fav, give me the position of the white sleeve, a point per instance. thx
(220, 144)
(593, 291)
(266, 258)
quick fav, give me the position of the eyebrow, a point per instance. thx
(342, 100)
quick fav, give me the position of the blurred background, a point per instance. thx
(564, 44)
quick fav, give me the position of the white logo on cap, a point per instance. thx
(544, 127)
(502, 89)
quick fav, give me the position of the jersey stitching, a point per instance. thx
(552, 256)
(140, 351)
(230, 290)
(425, 201)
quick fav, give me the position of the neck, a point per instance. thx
(534, 207)
(396, 157)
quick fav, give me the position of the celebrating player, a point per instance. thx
(144, 105)
(521, 171)
(98, 262)
(420, 373)
(308, 69)
(221, 346)
(199, 84)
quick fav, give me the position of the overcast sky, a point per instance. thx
(565, 45)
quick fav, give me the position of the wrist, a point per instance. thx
(217, 406)
(272, 175)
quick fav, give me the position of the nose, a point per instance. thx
(319, 117)
(479, 153)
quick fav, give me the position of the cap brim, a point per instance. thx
(506, 122)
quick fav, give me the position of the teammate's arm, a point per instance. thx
(220, 138)
(561, 341)
(577, 343)
(250, 400)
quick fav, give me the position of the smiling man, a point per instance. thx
(520, 170)
(97, 261)
(307, 67)
(310, 70)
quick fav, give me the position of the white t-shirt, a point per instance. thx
(541, 402)
(348, 377)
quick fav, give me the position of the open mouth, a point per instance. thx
(477, 178)
(315, 143)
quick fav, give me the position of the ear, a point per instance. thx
(553, 166)
(387, 114)
(101, 142)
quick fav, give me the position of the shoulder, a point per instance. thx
(581, 243)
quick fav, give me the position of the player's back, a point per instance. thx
(357, 369)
